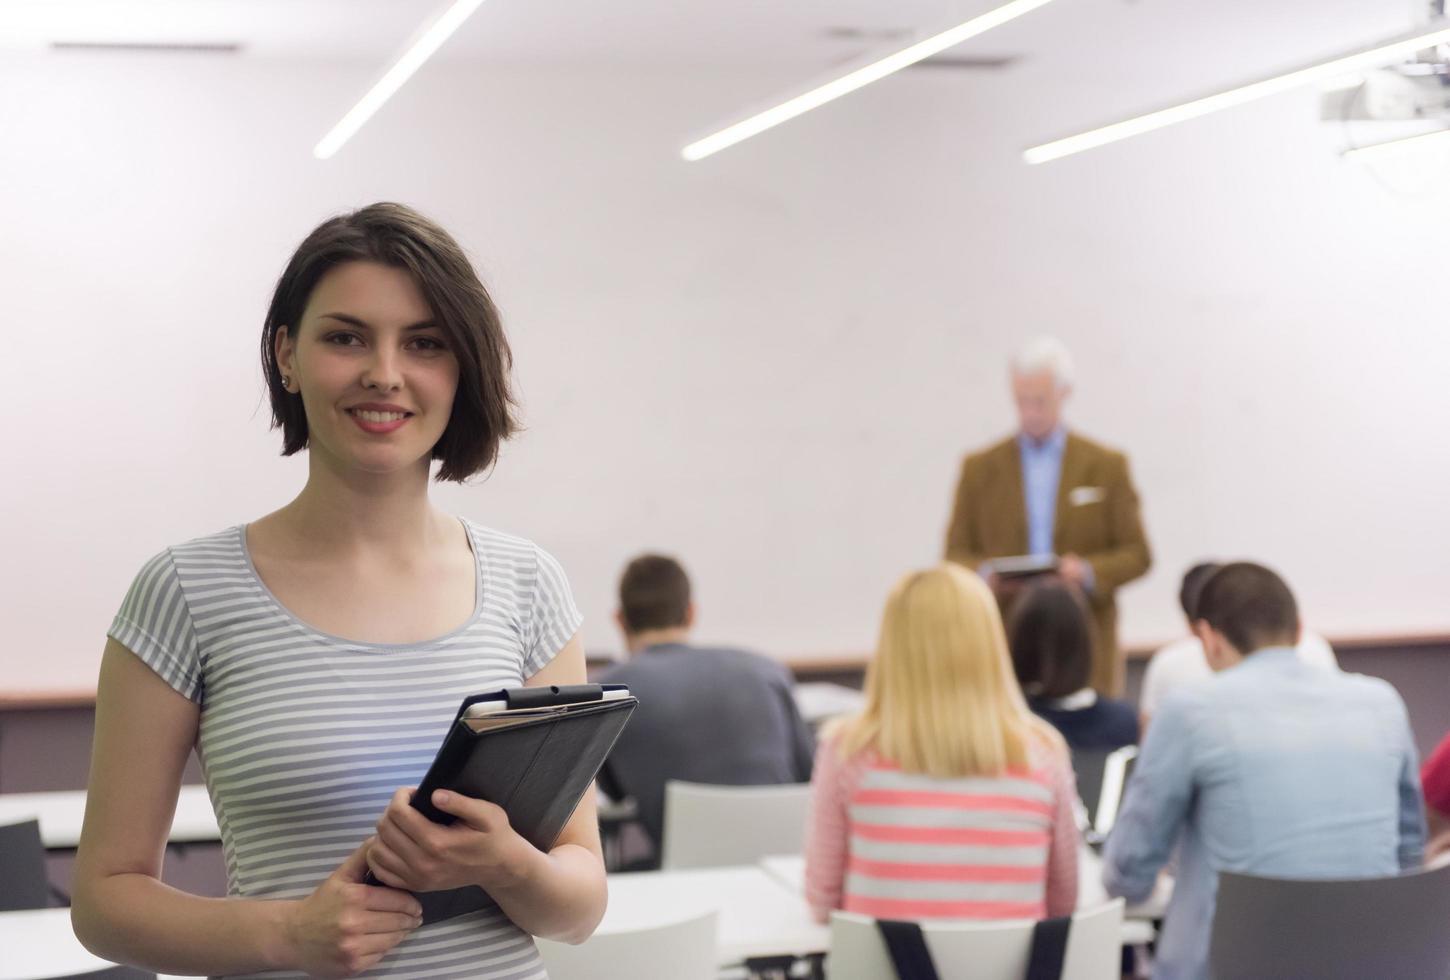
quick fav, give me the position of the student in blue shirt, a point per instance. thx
(1273, 767)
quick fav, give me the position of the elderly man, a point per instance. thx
(1048, 492)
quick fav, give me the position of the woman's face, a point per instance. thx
(376, 376)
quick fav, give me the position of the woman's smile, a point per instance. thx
(379, 419)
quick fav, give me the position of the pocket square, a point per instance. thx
(1085, 495)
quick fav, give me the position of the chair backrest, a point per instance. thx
(1332, 930)
(1117, 770)
(684, 949)
(1087, 769)
(981, 950)
(715, 826)
(23, 883)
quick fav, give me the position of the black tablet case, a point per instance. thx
(537, 770)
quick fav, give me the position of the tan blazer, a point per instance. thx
(1097, 519)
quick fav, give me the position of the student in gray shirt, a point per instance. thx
(705, 715)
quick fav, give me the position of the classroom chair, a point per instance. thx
(981, 950)
(23, 882)
(716, 826)
(681, 950)
(1332, 930)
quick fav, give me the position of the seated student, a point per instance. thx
(1051, 639)
(1435, 778)
(1182, 662)
(705, 715)
(946, 797)
(1276, 768)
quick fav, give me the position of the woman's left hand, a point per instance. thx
(480, 848)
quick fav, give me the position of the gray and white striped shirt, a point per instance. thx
(304, 736)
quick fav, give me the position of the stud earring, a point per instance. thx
(286, 382)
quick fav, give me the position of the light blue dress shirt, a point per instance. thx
(1041, 473)
(1275, 768)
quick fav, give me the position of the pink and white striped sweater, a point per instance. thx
(899, 845)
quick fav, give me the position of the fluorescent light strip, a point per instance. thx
(1392, 147)
(860, 77)
(429, 41)
(1374, 57)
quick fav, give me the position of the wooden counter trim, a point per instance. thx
(38, 700)
(844, 662)
(46, 700)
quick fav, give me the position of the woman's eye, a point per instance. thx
(429, 344)
(342, 339)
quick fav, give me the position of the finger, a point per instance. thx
(402, 798)
(409, 821)
(377, 899)
(387, 867)
(478, 814)
(397, 841)
(355, 868)
(381, 923)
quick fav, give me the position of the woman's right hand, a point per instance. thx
(345, 926)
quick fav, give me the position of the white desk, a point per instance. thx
(1090, 889)
(758, 917)
(819, 701)
(61, 813)
(39, 943)
(790, 871)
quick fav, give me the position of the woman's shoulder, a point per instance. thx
(219, 547)
(512, 556)
(492, 542)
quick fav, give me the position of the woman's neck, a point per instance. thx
(347, 513)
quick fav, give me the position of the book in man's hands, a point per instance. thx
(532, 751)
(1022, 566)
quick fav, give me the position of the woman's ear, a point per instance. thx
(284, 346)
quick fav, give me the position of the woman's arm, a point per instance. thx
(559, 895)
(123, 912)
(1062, 850)
(826, 835)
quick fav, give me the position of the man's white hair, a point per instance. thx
(1045, 355)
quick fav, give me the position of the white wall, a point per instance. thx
(768, 363)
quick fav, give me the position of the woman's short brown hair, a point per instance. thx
(1050, 634)
(395, 235)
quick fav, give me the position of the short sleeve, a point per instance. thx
(155, 624)
(553, 617)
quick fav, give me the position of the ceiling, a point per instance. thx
(1168, 46)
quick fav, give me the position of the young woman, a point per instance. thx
(945, 797)
(315, 657)
(1050, 634)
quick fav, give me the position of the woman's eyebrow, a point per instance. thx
(348, 318)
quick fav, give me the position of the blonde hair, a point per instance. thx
(941, 697)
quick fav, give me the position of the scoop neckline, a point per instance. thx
(281, 607)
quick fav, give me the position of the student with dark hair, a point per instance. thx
(705, 715)
(1182, 662)
(1051, 638)
(1276, 768)
(315, 656)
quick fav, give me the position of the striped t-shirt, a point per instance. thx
(901, 845)
(304, 736)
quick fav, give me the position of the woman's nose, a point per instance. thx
(382, 372)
